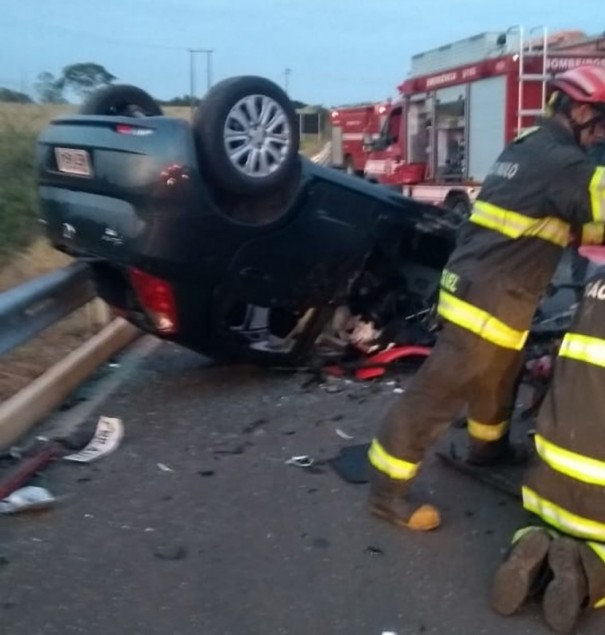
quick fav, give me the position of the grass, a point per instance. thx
(24, 254)
(18, 209)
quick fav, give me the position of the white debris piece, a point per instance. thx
(27, 498)
(106, 439)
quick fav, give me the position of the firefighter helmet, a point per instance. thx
(584, 84)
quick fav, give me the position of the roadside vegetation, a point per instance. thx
(18, 209)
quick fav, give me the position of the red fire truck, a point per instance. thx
(462, 103)
(353, 129)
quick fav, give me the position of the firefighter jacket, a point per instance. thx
(566, 487)
(542, 187)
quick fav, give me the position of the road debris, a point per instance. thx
(301, 461)
(374, 551)
(42, 454)
(343, 435)
(374, 366)
(165, 468)
(351, 463)
(106, 439)
(28, 498)
(332, 386)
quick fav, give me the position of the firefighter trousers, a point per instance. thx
(463, 369)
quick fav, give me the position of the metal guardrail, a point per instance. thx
(29, 308)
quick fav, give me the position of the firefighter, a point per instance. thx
(566, 487)
(542, 186)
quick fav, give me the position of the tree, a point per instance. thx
(85, 77)
(48, 89)
(12, 96)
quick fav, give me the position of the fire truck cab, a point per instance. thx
(462, 103)
(354, 128)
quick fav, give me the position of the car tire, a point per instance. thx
(121, 100)
(238, 151)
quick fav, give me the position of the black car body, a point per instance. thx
(217, 260)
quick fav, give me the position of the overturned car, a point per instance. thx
(220, 236)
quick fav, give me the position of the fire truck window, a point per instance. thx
(418, 126)
(394, 126)
(451, 155)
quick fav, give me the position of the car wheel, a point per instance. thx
(247, 135)
(121, 100)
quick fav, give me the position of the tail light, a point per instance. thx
(157, 298)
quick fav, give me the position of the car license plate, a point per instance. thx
(72, 161)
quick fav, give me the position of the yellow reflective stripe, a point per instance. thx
(479, 322)
(552, 230)
(593, 234)
(485, 431)
(516, 225)
(583, 349)
(507, 222)
(394, 467)
(597, 194)
(599, 549)
(526, 530)
(561, 519)
(577, 466)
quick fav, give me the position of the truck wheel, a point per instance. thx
(121, 100)
(247, 136)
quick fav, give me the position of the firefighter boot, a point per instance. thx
(493, 453)
(567, 594)
(388, 501)
(519, 575)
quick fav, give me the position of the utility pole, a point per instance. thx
(287, 72)
(192, 74)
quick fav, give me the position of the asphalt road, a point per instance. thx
(232, 540)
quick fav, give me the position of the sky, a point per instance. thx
(338, 51)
